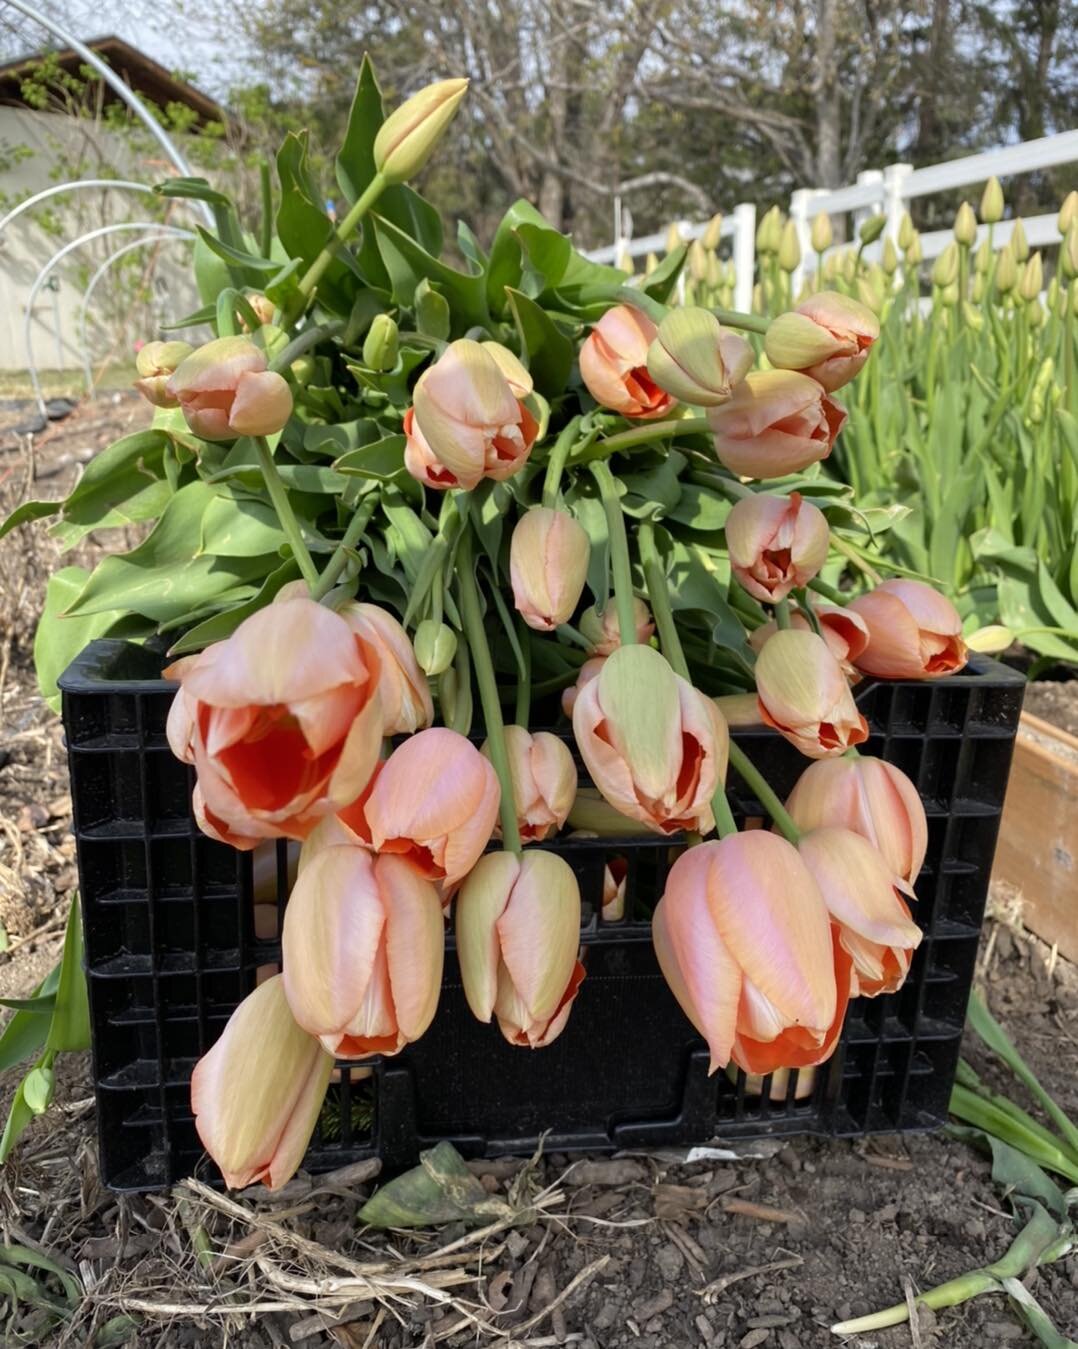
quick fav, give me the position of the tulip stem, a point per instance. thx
(782, 614)
(285, 515)
(488, 691)
(829, 592)
(640, 436)
(749, 323)
(356, 528)
(523, 708)
(756, 782)
(556, 463)
(620, 565)
(847, 550)
(805, 605)
(344, 231)
(309, 337)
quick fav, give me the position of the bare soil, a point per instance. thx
(1055, 701)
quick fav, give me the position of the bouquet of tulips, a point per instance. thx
(390, 489)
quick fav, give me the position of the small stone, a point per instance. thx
(753, 1338)
(996, 1331)
(670, 1262)
(788, 1157)
(704, 1326)
(856, 1216)
(516, 1244)
(606, 1316)
(60, 807)
(654, 1306)
(974, 1228)
(31, 817)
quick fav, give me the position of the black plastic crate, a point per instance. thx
(171, 948)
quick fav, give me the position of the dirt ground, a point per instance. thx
(762, 1252)
(1055, 701)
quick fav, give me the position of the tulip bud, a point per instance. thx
(945, 268)
(828, 337)
(1068, 253)
(714, 271)
(889, 257)
(949, 295)
(992, 202)
(971, 315)
(849, 266)
(914, 631)
(155, 362)
(804, 695)
(544, 781)
(822, 233)
(846, 636)
(518, 934)
(406, 139)
(915, 251)
(1052, 293)
(673, 237)
(1068, 212)
(650, 263)
(624, 260)
(775, 422)
(871, 229)
(1032, 278)
(712, 233)
(789, 248)
(906, 232)
(225, 390)
(775, 544)
(613, 365)
(769, 233)
(1018, 240)
(992, 639)
(402, 688)
(435, 646)
(380, 346)
(695, 359)
(697, 261)
(965, 225)
(1006, 270)
(603, 632)
(548, 565)
(262, 305)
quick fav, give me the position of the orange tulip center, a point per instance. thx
(641, 387)
(273, 764)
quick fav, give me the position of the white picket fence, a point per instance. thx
(877, 191)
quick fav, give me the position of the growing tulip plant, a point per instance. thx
(390, 492)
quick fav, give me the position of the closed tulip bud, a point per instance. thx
(1052, 293)
(155, 362)
(743, 938)
(906, 232)
(965, 225)
(714, 271)
(776, 544)
(1018, 240)
(673, 237)
(380, 345)
(949, 295)
(971, 315)
(587, 672)
(827, 337)
(915, 252)
(992, 202)
(655, 747)
(548, 565)
(406, 139)
(1032, 278)
(945, 268)
(544, 781)
(362, 950)
(1068, 212)
(804, 695)
(1068, 253)
(435, 645)
(624, 261)
(695, 359)
(822, 233)
(789, 248)
(613, 365)
(889, 258)
(435, 802)
(874, 799)
(982, 259)
(850, 266)
(775, 422)
(846, 636)
(225, 391)
(914, 632)
(868, 908)
(872, 289)
(603, 632)
(1006, 270)
(257, 1093)
(518, 934)
(831, 267)
(1036, 314)
(465, 422)
(650, 263)
(712, 232)
(697, 261)
(871, 229)
(402, 687)
(282, 722)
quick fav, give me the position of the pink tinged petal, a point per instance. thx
(294, 1141)
(555, 774)
(179, 728)
(894, 644)
(460, 448)
(858, 887)
(467, 387)
(609, 771)
(628, 333)
(216, 828)
(262, 405)
(480, 903)
(402, 687)
(415, 943)
(603, 373)
(215, 366)
(539, 931)
(931, 611)
(638, 695)
(358, 759)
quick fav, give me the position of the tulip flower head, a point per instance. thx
(544, 781)
(827, 337)
(695, 359)
(282, 721)
(586, 673)
(655, 747)
(518, 934)
(776, 543)
(603, 632)
(874, 799)
(362, 950)
(406, 139)
(225, 390)
(614, 365)
(402, 688)
(548, 564)
(743, 938)
(844, 632)
(775, 422)
(466, 423)
(155, 363)
(804, 695)
(257, 1093)
(914, 632)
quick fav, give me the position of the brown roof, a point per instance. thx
(151, 81)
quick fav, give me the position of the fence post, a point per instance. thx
(800, 201)
(744, 255)
(894, 202)
(859, 217)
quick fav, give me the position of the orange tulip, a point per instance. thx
(874, 799)
(603, 631)
(867, 904)
(828, 337)
(776, 543)
(435, 802)
(402, 686)
(803, 694)
(544, 781)
(655, 747)
(281, 720)
(588, 671)
(844, 632)
(775, 422)
(257, 1093)
(695, 359)
(466, 423)
(614, 365)
(743, 939)
(914, 632)
(225, 390)
(362, 949)
(155, 362)
(518, 934)
(548, 564)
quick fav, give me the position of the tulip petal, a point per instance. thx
(480, 903)
(638, 694)
(415, 943)
(262, 404)
(539, 931)
(858, 888)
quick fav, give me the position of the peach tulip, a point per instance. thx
(587, 672)
(603, 631)
(155, 362)
(697, 360)
(435, 802)
(655, 747)
(614, 365)
(548, 564)
(914, 632)
(804, 694)
(874, 799)
(362, 950)
(828, 337)
(466, 423)
(518, 934)
(867, 904)
(257, 1093)
(844, 632)
(225, 390)
(776, 543)
(743, 939)
(775, 422)
(402, 687)
(544, 781)
(282, 722)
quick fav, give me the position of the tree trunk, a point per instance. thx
(828, 110)
(929, 146)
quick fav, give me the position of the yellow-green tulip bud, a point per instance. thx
(406, 139)
(435, 646)
(1052, 294)
(713, 233)
(906, 231)
(714, 270)
(697, 261)
(1019, 242)
(695, 359)
(830, 268)
(992, 202)
(155, 363)
(871, 292)
(945, 268)
(822, 233)
(1036, 314)
(982, 259)
(849, 265)
(1068, 212)
(650, 263)
(972, 316)
(991, 639)
(769, 235)
(871, 228)
(1032, 278)
(979, 287)
(757, 299)
(730, 273)
(304, 368)
(1068, 252)
(624, 261)
(965, 224)
(380, 344)
(949, 295)
(789, 248)
(1042, 390)
(890, 256)
(915, 252)
(673, 238)
(1006, 270)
